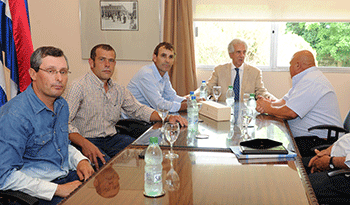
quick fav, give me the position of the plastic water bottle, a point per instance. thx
(251, 104)
(203, 90)
(230, 98)
(153, 169)
(192, 115)
(189, 100)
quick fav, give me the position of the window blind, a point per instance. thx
(271, 10)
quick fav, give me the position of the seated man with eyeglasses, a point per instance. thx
(36, 155)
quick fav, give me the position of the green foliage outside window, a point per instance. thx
(331, 41)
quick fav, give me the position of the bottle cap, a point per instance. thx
(191, 92)
(252, 95)
(153, 139)
(193, 97)
(230, 87)
(203, 81)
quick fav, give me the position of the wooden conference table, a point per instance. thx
(209, 172)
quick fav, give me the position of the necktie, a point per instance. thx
(236, 85)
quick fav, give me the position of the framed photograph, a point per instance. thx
(131, 27)
(120, 15)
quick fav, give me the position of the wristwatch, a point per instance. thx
(331, 165)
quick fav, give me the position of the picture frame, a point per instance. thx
(130, 44)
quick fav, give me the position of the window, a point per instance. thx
(272, 44)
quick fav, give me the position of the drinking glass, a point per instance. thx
(216, 92)
(246, 97)
(163, 111)
(171, 131)
(172, 179)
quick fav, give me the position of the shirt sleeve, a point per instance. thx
(213, 80)
(260, 88)
(149, 89)
(74, 157)
(33, 186)
(302, 100)
(74, 98)
(341, 148)
(134, 108)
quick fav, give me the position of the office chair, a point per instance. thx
(10, 197)
(307, 144)
(342, 199)
(132, 127)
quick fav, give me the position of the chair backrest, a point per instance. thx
(347, 122)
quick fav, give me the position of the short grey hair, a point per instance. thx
(42, 52)
(236, 41)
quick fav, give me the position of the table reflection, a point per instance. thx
(224, 134)
(204, 178)
(107, 182)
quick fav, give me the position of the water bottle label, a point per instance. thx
(154, 178)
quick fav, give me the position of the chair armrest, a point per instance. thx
(330, 128)
(320, 147)
(20, 197)
(128, 122)
(132, 127)
(338, 172)
(327, 127)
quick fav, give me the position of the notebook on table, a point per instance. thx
(262, 146)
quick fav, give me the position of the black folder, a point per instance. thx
(262, 146)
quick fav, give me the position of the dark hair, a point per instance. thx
(166, 45)
(42, 52)
(103, 46)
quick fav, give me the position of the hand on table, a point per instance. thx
(84, 170)
(177, 118)
(92, 152)
(63, 190)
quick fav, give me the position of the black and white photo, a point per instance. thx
(119, 15)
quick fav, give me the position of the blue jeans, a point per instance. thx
(112, 145)
(72, 176)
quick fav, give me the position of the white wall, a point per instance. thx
(57, 23)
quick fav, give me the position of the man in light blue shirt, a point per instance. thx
(151, 84)
(311, 101)
(36, 155)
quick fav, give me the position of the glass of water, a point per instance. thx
(216, 92)
(171, 132)
(246, 97)
(163, 110)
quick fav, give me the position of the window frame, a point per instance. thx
(273, 51)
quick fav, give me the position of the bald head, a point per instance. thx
(301, 61)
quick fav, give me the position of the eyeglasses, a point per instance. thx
(52, 72)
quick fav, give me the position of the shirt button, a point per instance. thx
(43, 142)
(53, 115)
(59, 150)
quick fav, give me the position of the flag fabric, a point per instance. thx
(16, 47)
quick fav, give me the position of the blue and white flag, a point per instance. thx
(15, 46)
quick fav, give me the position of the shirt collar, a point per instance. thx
(233, 67)
(300, 75)
(157, 74)
(98, 81)
(38, 105)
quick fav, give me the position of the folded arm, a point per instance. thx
(277, 108)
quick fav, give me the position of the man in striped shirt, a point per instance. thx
(95, 104)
